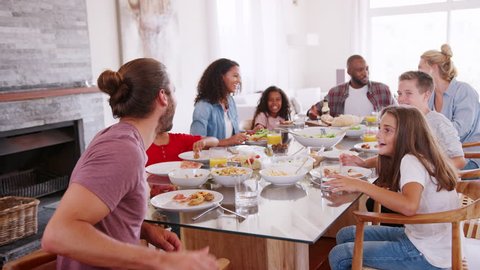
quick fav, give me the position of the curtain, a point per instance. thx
(252, 33)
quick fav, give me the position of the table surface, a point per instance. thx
(298, 213)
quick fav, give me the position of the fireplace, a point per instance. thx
(37, 161)
(42, 135)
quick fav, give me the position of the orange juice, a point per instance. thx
(274, 138)
(369, 137)
(218, 162)
(371, 118)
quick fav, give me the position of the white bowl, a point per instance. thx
(188, 177)
(230, 180)
(357, 130)
(295, 161)
(306, 136)
(290, 178)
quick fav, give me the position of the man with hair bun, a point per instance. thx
(99, 221)
(457, 100)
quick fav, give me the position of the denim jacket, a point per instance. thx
(208, 119)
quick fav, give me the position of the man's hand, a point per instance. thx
(160, 237)
(187, 260)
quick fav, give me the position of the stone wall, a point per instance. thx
(49, 110)
(43, 44)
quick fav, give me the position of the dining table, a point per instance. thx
(290, 227)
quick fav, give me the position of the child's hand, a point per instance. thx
(351, 160)
(258, 127)
(346, 183)
(199, 145)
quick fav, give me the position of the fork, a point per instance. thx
(231, 212)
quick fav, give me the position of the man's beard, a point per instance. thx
(165, 121)
(359, 81)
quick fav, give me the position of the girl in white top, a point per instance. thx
(414, 177)
(272, 109)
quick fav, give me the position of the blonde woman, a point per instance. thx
(458, 101)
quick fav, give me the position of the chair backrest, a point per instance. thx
(38, 260)
(470, 154)
(469, 213)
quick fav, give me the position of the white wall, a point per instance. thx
(194, 58)
(332, 21)
(308, 66)
(104, 42)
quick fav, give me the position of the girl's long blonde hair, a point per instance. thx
(443, 59)
(413, 136)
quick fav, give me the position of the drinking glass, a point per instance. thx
(246, 192)
(299, 121)
(370, 134)
(274, 138)
(218, 157)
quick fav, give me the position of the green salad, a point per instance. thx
(320, 136)
(357, 127)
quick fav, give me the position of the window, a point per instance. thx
(399, 31)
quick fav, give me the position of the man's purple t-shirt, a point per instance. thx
(112, 168)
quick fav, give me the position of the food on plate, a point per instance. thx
(227, 171)
(368, 146)
(196, 154)
(327, 119)
(250, 161)
(179, 197)
(190, 165)
(286, 122)
(356, 127)
(344, 120)
(320, 135)
(280, 148)
(259, 135)
(328, 172)
(194, 198)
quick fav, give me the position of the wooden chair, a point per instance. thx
(475, 173)
(42, 260)
(469, 213)
(38, 260)
(471, 154)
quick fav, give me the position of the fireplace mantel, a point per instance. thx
(36, 94)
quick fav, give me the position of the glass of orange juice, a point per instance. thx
(372, 118)
(369, 137)
(274, 138)
(217, 156)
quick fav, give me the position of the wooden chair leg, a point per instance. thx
(358, 247)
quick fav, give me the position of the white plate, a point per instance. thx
(259, 143)
(318, 172)
(204, 156)
(373, 147)
(163, 168)
(335, 154)
(166, 202)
